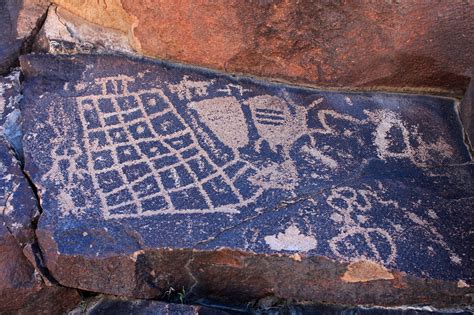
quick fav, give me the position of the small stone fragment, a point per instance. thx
(363, 271)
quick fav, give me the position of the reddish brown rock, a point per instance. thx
(19, 21)
(66, 33)
(412, 45)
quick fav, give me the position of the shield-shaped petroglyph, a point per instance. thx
(224, 116)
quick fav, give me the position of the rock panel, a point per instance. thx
(155, 176)
(371, 45)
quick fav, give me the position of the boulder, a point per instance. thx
(155, 177)
(405, 45)
(19, 22)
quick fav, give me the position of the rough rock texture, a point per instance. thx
(65, 33)
(154, 176)
(9, 96)
(22, 288)
(19, 20)
(115, 305)
(413, 44)
(9, 112)
(467, 113)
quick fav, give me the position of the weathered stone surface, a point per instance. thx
(467, 113)
(415, 44)
(9, 96)
(19, 19)
(115, 305)
(65, 33)
(154, 176)
(22, 289)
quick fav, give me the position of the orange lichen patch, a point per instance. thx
(363, 271)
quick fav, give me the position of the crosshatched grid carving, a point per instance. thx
(145, 160)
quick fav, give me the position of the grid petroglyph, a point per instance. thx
(145, 159)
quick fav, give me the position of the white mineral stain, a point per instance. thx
(292, 240)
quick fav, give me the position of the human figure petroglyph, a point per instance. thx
(351, 213)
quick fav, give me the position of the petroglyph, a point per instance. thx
(186, 89)
(133, 159)
(351, 213)
(291, 240)
(229, 88)
(355, 211)
(389, 146)
(145, 159)
(277, 122)
(437, 236)
(226, 119)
